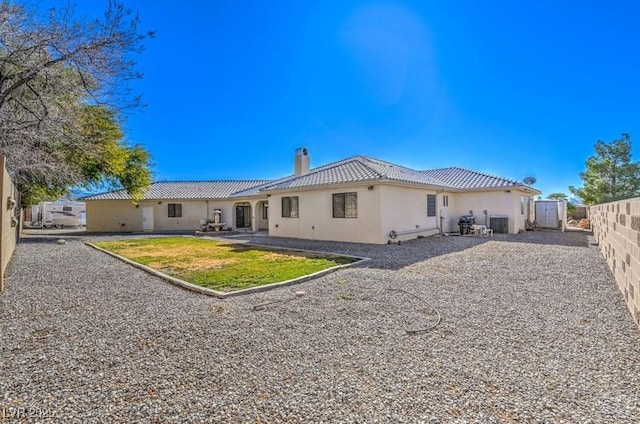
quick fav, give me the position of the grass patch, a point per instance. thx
(219, 265)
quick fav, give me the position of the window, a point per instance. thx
(345, 205)
(175, 210)
(431, 205)
(445, 200)
(522, 204)
(290, 207)
(265, 211)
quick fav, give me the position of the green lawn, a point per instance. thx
(219, 265)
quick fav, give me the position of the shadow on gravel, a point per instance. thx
(45, 240)
(552, 237)
(392, 257)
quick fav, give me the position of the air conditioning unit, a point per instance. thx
(499, 224)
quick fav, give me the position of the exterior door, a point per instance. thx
(147, 218)
(263, 210)
(243, 216)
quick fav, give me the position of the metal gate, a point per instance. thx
(547, 214)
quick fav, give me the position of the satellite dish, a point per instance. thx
(529, 180)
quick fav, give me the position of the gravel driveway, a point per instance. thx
(533, 329)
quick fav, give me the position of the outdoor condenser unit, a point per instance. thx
(499, 224)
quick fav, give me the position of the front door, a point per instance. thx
(147, 218)
(243, 216)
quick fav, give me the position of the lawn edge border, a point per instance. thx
(223, 295)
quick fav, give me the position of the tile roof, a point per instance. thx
(184, 190)
(351, 170)
(463, 178)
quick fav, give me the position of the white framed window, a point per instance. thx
(345, 205)
(431, 205)
(290, 207)
(174, 210)
(445, 200)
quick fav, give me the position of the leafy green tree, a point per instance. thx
(109, 161)
(610, 174)
(557, 196)
(101, 160)
(63, 89)
(562, 197)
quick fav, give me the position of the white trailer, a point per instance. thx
(58, 214)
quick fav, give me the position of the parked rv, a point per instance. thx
(58, 214)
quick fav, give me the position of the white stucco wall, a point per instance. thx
(405, 209)
(316, 221)
(113, 216)
(387, 207)
(381, 210)
(110, 215)
(192, 213)
(498, 202)
(448, 213)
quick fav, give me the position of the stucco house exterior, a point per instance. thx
(359, 199)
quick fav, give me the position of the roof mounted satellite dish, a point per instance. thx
(529, 180)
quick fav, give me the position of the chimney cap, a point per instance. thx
(302, 151)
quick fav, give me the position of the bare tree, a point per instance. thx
(50, 69)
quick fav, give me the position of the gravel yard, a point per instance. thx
(533, 329)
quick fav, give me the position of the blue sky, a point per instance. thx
(510, 88)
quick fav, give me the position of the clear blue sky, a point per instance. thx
(511, 88)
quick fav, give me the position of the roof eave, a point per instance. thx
(501, 188)
(322, 185)
(367, 181)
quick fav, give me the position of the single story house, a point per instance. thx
(359, 199)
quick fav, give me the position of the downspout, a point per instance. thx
(440, 214)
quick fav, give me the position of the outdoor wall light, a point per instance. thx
(370, 188)
(11, 202)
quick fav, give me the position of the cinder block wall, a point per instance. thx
(616, 227)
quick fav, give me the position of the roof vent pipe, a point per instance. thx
(301, 162)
